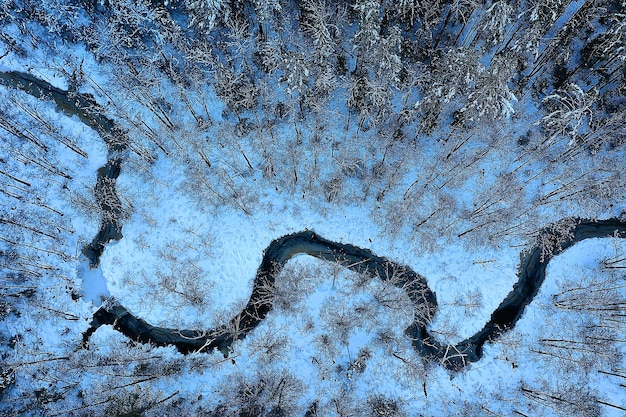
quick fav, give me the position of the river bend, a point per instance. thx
(531, 271)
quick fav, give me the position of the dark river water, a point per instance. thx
(531, 273)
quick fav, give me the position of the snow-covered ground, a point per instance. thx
(202, 201)
(215, 255)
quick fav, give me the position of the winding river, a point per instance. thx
(531, 273)
(454, 357)
(89, 112)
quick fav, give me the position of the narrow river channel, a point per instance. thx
(531, 273)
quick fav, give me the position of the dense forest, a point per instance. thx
(150, 151)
